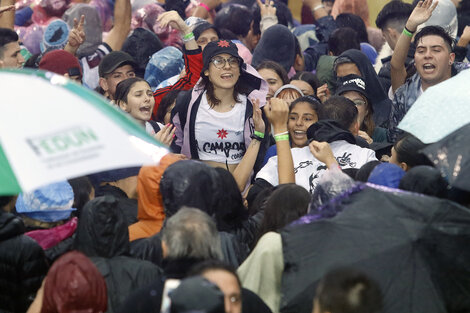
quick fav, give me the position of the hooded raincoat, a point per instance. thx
(381, 104)
(22, 265)
(102, 236)
(150, 204)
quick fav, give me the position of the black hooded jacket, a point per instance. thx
(196, 184)
(23, 265)
(102, 235)
(381, 104)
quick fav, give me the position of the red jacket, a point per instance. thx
(193, 66)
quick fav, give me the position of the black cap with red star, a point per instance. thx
(218, 47)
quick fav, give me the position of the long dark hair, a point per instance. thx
(209, 87)
(123, 88)
(286, 204)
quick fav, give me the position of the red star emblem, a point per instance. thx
(222, 133)
(223, 44)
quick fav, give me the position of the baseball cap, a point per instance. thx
(114, 60)
(351, 82)
(60, 62)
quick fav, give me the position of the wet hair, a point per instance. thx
(277, 68)
(191, 233)
(165, 104)
(124, 87)
(355, 22)
(343, 39)
(230, 211)
(178, 6)
(286, 204)
(234, 17)
(82, 189)
(213, 265)
(340, 109)
(293, 93)
(425, 180)
(209, 87)
(4, 200)
(283, 14)
(363, 173)
(259, 202)
(436, 31)
(313, 102)
(408, 151)
(346, 290)
(6, 36)
(394, 14)
(342, 60)
(309, 78)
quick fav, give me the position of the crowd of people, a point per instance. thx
(270, 123)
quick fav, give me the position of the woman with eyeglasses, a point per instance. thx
(354, 88)
(221, 123)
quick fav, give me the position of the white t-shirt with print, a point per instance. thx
(308, 169)
(219, 136)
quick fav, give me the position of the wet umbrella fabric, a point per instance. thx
(451, 156)
(58, 130)
(440, 110)
(414, 246)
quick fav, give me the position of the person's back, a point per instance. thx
(22, 263)
(346, 290)
(102, 235)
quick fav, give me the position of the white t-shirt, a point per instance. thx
(308, 169)
(90, 66)
(219, 136)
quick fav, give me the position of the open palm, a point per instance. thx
(421, 13)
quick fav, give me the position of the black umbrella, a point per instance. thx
(416, 247)
(452, 156)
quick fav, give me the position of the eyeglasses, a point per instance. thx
(220, 62)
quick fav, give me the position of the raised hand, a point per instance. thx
(323, 93)
(258, 116)
(77, 34)
(174, 20)
(323, 153)
(267, 8)
(277, 112)
(166, 134)
(421, 13)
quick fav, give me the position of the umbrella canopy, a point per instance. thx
(452, 156)
(414, 246)
(53, 129)
(440, 110)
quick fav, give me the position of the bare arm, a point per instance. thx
(202, 12)
(122, 25)
(420, 14)
(173, 19)
(7, 14)
(243, 171)
(465, 38)
(277, 111)
(317, 8)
